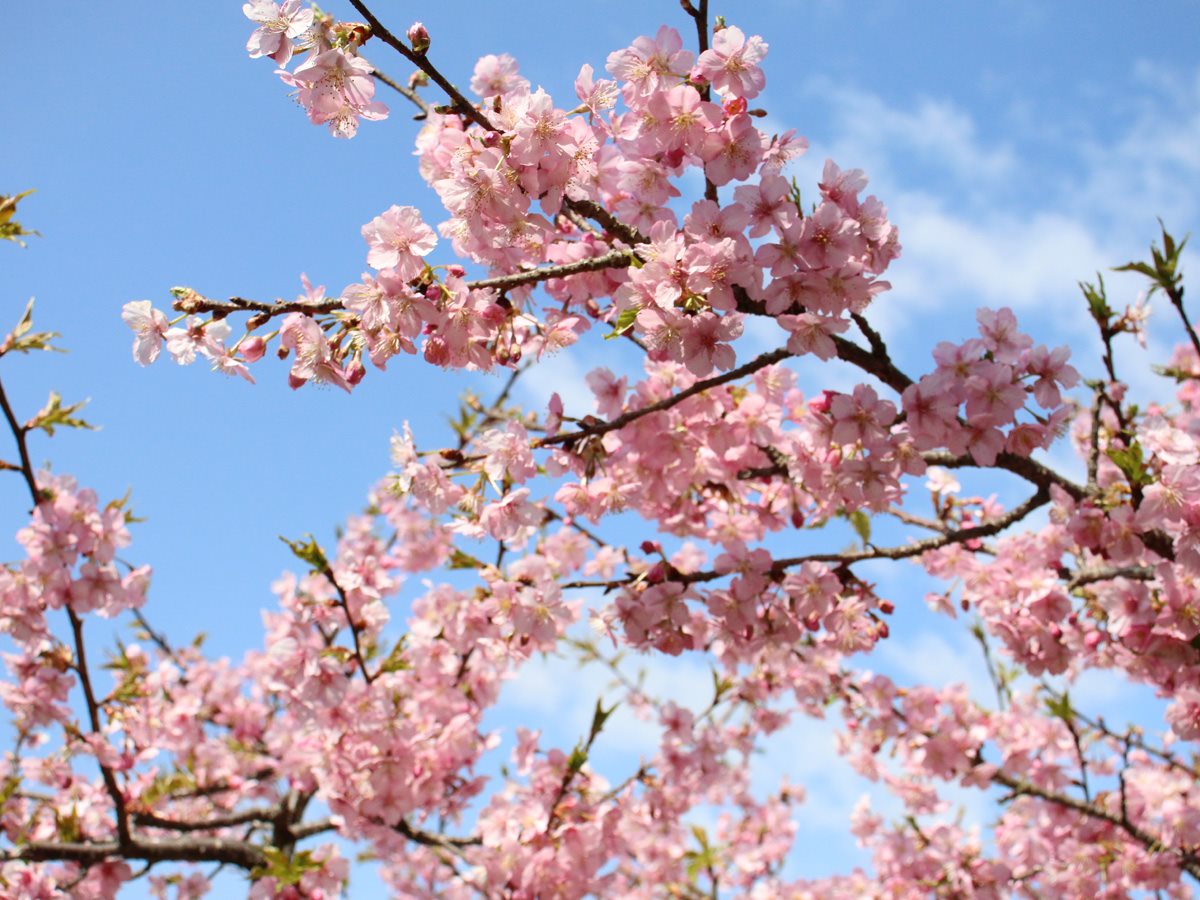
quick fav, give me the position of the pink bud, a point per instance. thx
(821, 404)
(253, 349)
(436, 351)
(355, 372)
(456, 270)
(697, 76)
(418, 36)
(672, 159)
(493, 315)
(651, 547)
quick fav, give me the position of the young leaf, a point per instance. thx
(55, 415)
(309, 552)
(624, 322)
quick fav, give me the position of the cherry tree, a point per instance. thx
(645, 525)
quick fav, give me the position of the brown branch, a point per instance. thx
(1043, 476)
(599, 428)
(344, 602)
(85, 681)
(20, 433)
(916, 548)
(1092, 576)
(614, 259)
(464, 106)
(196, 849)
(597, 213)
(430, 839)
(193, 303)
(1187, 861)
(264, 814)
(408, 93)
(1028, 468)
(903, 551)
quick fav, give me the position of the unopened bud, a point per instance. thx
(494, 315)
(253, 349)
(436, 351)
(419, 38)
(355, 372)
(821, 404)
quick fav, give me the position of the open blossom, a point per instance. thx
(336, 89)
(497, 75)
(649, 63)
(398, 240)
(150, 327)
(731, 64)
(279, 24)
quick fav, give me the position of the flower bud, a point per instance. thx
(436, 351)
(419, 38)
(253, 349)
(494, 315)
(355, 372)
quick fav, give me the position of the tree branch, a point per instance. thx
(599, 428)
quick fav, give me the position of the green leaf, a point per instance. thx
(599, 717)
(1060, 707)
(286, 870)
(395, 661)
(55, 415)
(461, 560)
(10, 228)
(721, 686)
(861, 523)
(166, 785)
(577, 759)
(625, 322)
(1097, 300)
(1132, 463)
(309, 552)
(1144, 268)
(20, 338)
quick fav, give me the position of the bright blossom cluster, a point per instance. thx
(365, 714)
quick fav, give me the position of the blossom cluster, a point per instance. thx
(366, 711)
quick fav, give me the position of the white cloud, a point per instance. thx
(561, 373)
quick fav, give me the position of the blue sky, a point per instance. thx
(1019, 146)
